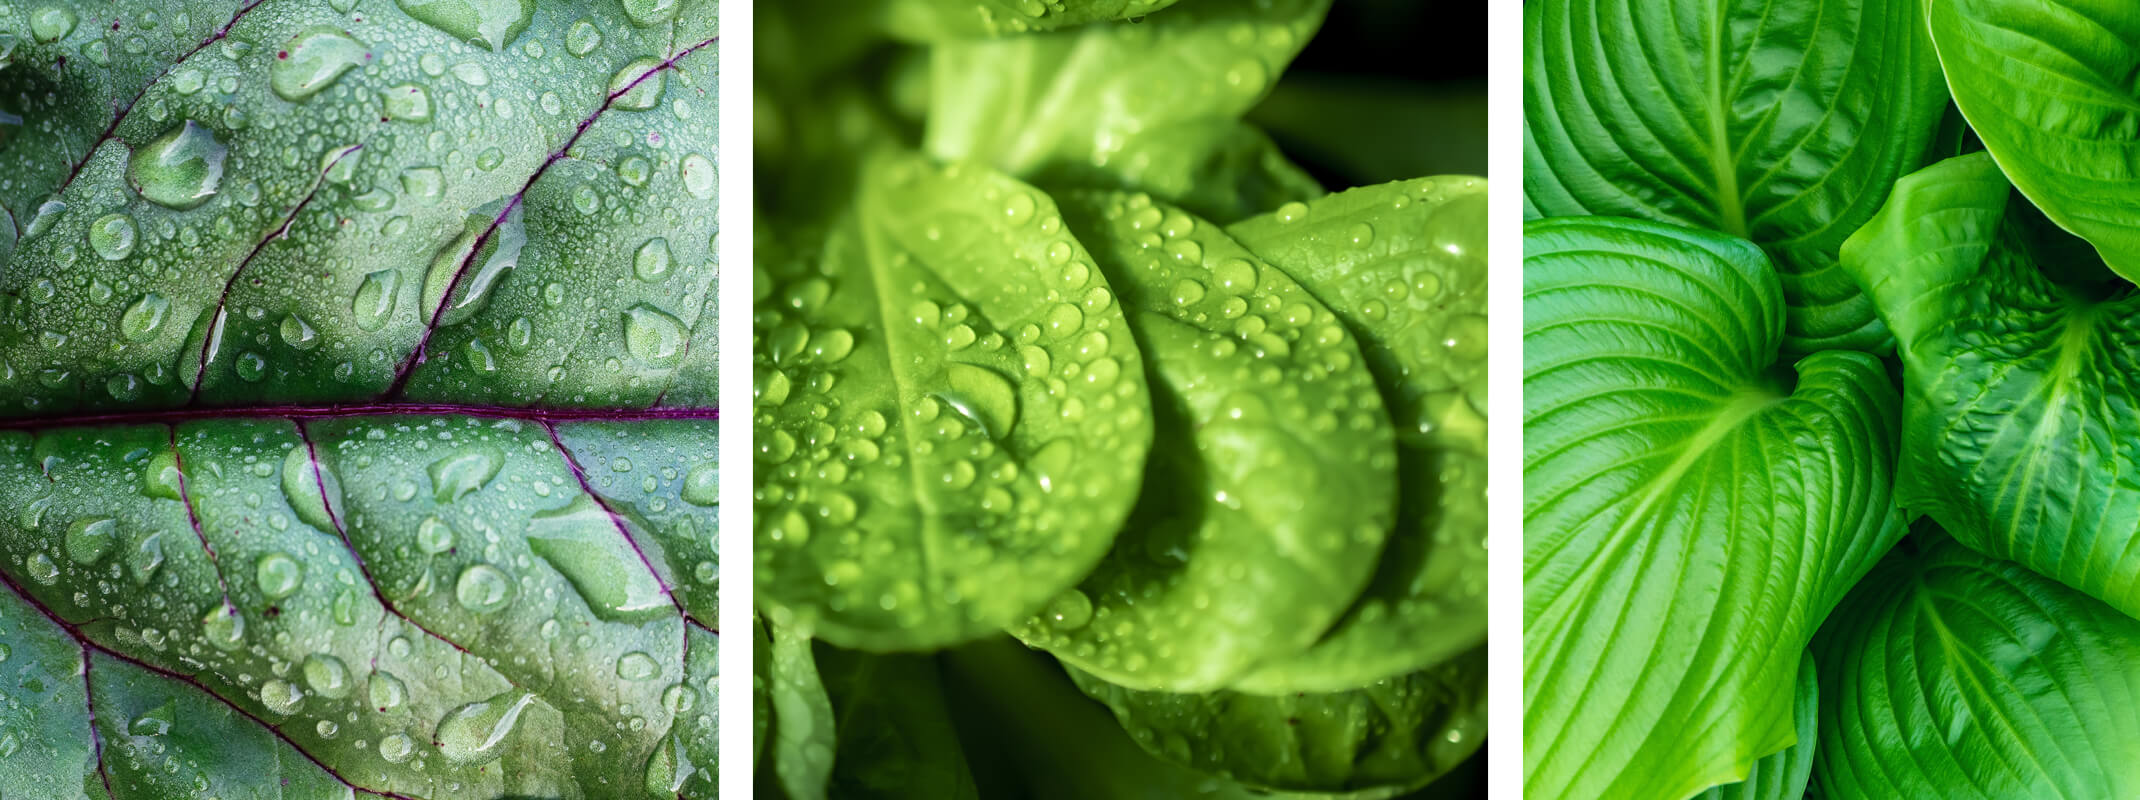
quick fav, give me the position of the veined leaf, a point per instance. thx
(1271, 485)
(356, 399)
(1781, 122)
(1403, 265)
(2048, 86)
(2015, 354)
(951, 414)
(1692, 507)
(1950, 674)
(1784, 775)
(943, 20)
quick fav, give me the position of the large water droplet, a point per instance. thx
(113, 237)
(648, 13)
(278, 575)
(140, 321)
(301, 486)
(180, 169)
(434, 536)
(42, 568)
(652, 336)
(637, 666)
(983, 396)
(387, 692)
(668, 767)
(634, 88)
(89, 539)
(281, 696)
(146, 557)
(156, 722)
(311, 61)
(651, 263)
(698, 176)
(408, 102)
(327, 676)
(374, 302)
(483, 589)
(478, 272)
(490, 23)
(475, 733)
(52, 23)
(454, 476)
(223, 627)
(699, 485)
(298, 333)
(396, 748)
(581, 542)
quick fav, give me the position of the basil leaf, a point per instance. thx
(1692, 506)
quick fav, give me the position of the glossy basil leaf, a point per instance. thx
(895, 737)
(1781, 122)
(1152, 106)
(1693, 507)
(940, 20)
(2013, 361)
(2049, 88)
(325, 481)
(947, 391)
(1950, 674)
(1403, 266)
(803, 729)
(1399, 733)
(1784, 775)
(1271, 486)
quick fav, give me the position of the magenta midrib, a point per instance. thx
(333, 411)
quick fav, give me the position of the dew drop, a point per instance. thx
(375, 299)
(52, 23)
(113, 237)
(408, 102)
(698, 176)
(281, 697)
(278, 575)
(311, 61)
(87, 540)
(326, 675)
(583, 38)
(396, 748)
(180, 169)
(652, 336)
(493, 24)
(698, 488)
(456, 475)
(386, 691)
(637, 666)
(475, 733)
(637, 87)
(651, 263)
(483, 589)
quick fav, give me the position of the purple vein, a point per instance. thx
(417, 356)
(618, 521)
(87, 643)
(96, 740)
(333, 411)
(185, 496)
(312, 453)
(213, 336)
(113, 129)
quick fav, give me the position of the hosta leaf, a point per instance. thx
(1398, 733)
(357, 380)
(2048, 86)
(1151, 106)
(1779, 121)
(951, 416)
(1249, 538)
(1403, 265)
(2015, 352)
(1783, 775)
(1692, 506)
(1950, 674)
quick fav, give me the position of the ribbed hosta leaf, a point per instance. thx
(2049, 87)
(356, 399)
(1692, 507)
(1781, 121)
(1949, 674)
(2017, 365)
(1784, 774)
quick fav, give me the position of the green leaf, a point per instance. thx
(1784, 774)
(941, 20)
(1271, 485)
(1692, 506)
(2049, 89)
(1403, 265)
(895, 735)
(1950, 674)
(1781, 122)
(947, 390)
(1152, 106)
(1398, 733)
(803, 727)
(319, 485)
(2015, 343)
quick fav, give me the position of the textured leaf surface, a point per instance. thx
(937, 20)
(1403, 265)
(367, 356)
(1784, 775)
(2048, 86)
(1271, 486)
(1692, 508)
(1399, 733)
(2018, 426)
(948, 392)
(1775, 120)
(1949, 674)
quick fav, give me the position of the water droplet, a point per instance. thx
(251, 366)
(42, 568)
(479, 263)
(407, 102)
(311, 61)
(396, 748)
(387, 692)
(651, 263)
(113, 237)
(483, 589)
(278, 575)
(281, 697)
(475, 733)
(301, 485)
(649, 13)
(52, 23)
(454, 476)
(180, 169)
(634, 170)
(141, 320)
(983, 396)
(637, 666)
(698, 488)
(147, 556)
(298, 333)
(490, 23)
(634, 89)
(583, 38)
(698, 175)
(326, 675)
(156, 721)
(472, 74)
(1070, 610)
(653, 337)
(223, 627)
(374, 302)
(89, 539)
